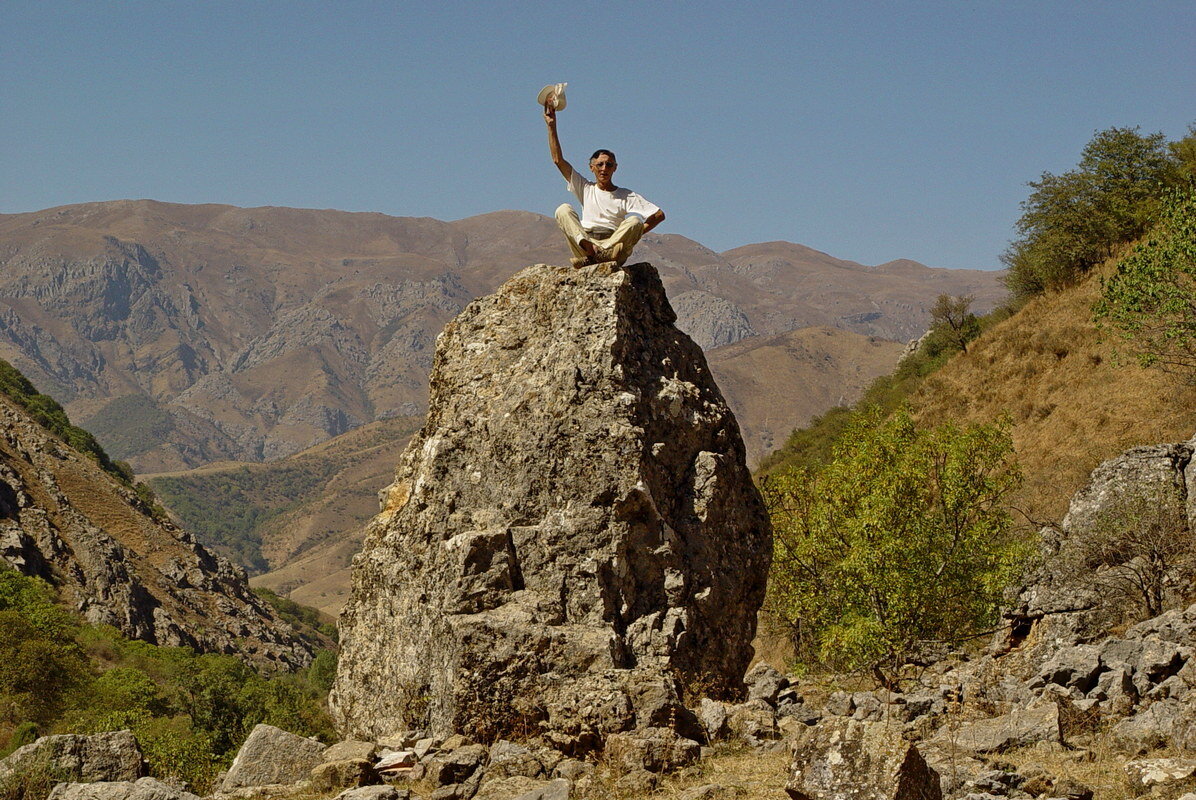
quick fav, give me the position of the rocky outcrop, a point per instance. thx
(848, 759)
(64, 519)
(142, 789)
(573, 527)
(112, 756)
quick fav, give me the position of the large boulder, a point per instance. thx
(575, 509)
(270, 756)
(110, 756)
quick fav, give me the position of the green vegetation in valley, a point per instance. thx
(131, 425)
(1074, 221)
(190, 712)
(1150, 302)
(308, 622)
(225, 509)
(900, 541)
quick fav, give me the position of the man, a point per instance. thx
(612, 218)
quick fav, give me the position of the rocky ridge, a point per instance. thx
(573, 539)
(63, 519)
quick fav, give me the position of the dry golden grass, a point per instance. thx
(1072, 401)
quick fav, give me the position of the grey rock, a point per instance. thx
(507, 759)
(351, 749)
(653, 749)
(571, 769)
(713, 716)
(840, 704)
(1167, 722)
(348, 772)
(1146, 774)
(710, 791)
(271, 755)
(752, 725)
(555, 789)
(765, 683)
(1018, 728)
(508, 787)
(844, 758)
(1075, 667)
(374, 793)
(576, 509)
(113, 757)
(141, 789)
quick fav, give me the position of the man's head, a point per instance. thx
(603, 165)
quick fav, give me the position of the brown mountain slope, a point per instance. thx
(183, 335)
(777, 383)
(1071, 401)
(64, 519)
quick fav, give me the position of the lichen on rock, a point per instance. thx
(572, 541)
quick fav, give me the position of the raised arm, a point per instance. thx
(554, 144)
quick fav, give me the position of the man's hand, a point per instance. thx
(550, 112)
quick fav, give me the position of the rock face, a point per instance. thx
(574, 519)
(64, 519)
(271, 755)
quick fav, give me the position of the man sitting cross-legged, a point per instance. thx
(612, 218)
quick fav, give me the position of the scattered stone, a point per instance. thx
(752, 724)
(351, 748)
(572, 769)
(507, 759)
(1019, 728)
(374, 793)
(556, 789)
(652, 749)
(114, 756)
(765, 683)
(1151, 772)
(403, 759)
(271, 755)
(710, 791)
(507, 788)
(142, 789)
(713, 716)
(845, 758)
(347, 773)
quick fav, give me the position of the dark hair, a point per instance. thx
(603, 153)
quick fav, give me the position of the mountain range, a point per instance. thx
(183, 335)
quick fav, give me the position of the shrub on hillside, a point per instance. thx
(897, 543)
(1150, 302)
(1074, 221)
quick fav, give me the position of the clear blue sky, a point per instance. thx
(872, 131)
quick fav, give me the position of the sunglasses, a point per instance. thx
(601, 164)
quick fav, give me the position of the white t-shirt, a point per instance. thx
(600, 209)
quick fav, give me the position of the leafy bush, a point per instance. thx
(1150, 302)
(1074, 221)
(900, 541)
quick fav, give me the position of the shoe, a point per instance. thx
(613, 253)
(581, 261)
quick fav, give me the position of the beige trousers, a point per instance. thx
(628, 232)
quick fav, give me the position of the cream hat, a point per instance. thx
(554, 92)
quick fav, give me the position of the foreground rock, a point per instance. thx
(270, 756)
(847, 759)
(113, 756)
(143, 789)
(573, 526)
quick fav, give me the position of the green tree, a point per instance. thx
(952, 324)
(1150, 302)
(1074, 221)
(898, 542)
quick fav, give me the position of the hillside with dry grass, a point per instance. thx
(1072, 401)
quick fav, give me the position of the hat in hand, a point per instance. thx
(553, 93)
